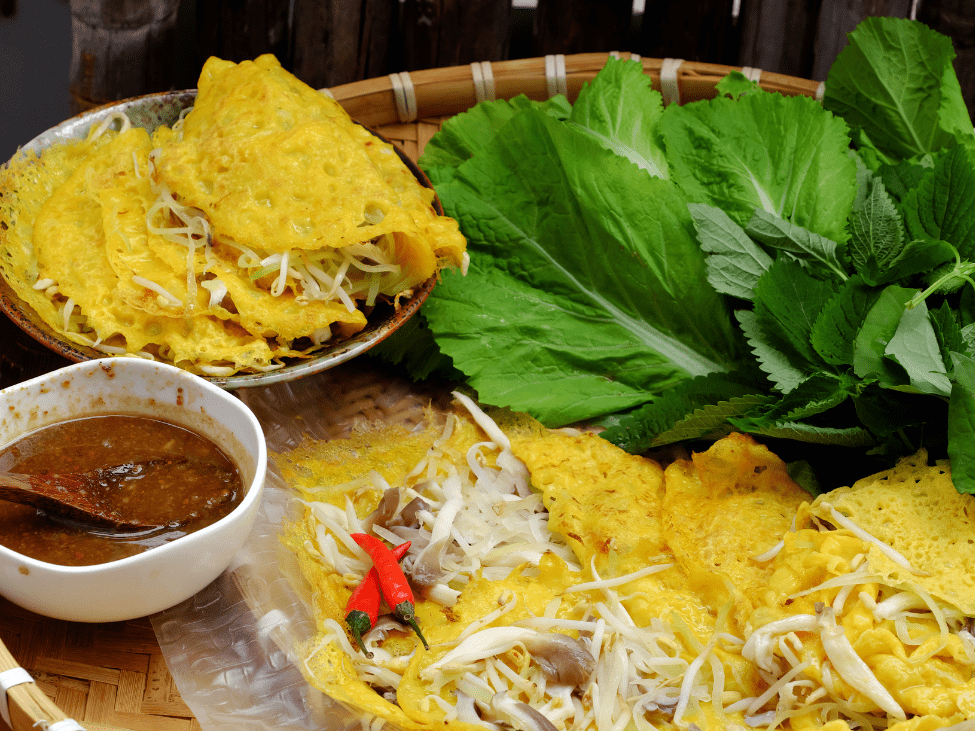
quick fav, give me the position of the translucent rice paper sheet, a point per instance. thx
(229, 647)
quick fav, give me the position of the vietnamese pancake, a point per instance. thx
(563, 583)
(262, 225)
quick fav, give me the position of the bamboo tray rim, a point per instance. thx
(408, 96)
(399, 101)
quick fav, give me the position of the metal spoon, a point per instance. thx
(85, 497)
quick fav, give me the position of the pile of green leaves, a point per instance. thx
(754, 262)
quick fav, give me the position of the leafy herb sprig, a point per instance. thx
(753, 262)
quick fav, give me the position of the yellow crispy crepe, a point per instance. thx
(713, 593)
(914, 509)
(72, 248)
(276, 165)
(723, 508)
(879, 575)
(608, 505)
(260, 227)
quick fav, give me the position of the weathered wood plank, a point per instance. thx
(956, 19)
(839, 17)
(694, 31)
(122, 48)
(454, 32)
(582, 26)
(765, 46)
(340, 41)
(238, 30)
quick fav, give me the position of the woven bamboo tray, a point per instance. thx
(114, 676)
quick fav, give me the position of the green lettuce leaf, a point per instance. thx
(464, 134)
(783, 155)
(620, 110)
(895, 84)
(586, 292)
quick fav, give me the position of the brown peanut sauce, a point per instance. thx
(174, 501)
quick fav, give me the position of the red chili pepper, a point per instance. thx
(362, 610)
(392, 580)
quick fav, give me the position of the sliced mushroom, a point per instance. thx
(563, 659)
(426, 570)
(407, 516)
(385, 511)
(519, 714)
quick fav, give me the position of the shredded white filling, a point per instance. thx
(863, 535)
(167, 297)
(66, 313)
(106, 124)
(779, 648)
(482, 516)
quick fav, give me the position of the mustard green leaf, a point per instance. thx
(620, 110)
(464, 134)
(736, 85)
(586, 292)
(895, 84)
(783, 155)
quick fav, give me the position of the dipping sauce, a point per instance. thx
(195, 486)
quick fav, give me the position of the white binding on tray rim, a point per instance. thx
(8, 679)
(68, 724)
(405, 96)
(668, 80)
(555, 77)
(483, 77)
(751, 73)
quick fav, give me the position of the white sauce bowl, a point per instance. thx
(163, 576)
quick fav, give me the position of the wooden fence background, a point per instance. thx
(124, 48)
